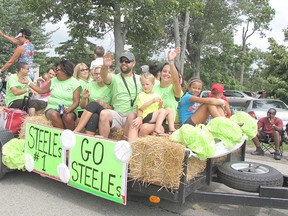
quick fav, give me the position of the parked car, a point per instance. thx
(258, 108)
(237, 99)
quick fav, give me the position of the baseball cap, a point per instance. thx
(129, 55)
(217, 88)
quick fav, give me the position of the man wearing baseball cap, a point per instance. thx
(125, 87)
(24, 52)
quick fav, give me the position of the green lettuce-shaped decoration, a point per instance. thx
(198, 139)
(249, 127)
(226, 130)
(13, 155)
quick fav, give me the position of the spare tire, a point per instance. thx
(248, 176)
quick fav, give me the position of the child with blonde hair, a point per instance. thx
(149, 107)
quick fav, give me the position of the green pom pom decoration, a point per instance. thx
(13, 154)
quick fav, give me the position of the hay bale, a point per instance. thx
(194, 168)
(38, 119)
(116, 134)
(157, 160)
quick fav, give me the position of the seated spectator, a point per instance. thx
(149, 108)
(195, 110)
(270, 127)
(81, 73)
(42, 82)
(16, 91)
(125, 86)
(217, 92)
(95, 98)
(64, 92)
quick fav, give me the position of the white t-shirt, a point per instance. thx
(96, 62)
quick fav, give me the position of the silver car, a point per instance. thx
(258, 108)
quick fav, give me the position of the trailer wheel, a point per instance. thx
(249, 176)
(2, 173)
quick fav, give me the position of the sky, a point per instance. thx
(279, 22)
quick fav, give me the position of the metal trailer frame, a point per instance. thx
(271, 197)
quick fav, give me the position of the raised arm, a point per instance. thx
(18, 52)
(107, 62)
(172, 54)
(11, 39)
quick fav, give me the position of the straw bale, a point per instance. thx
(116, 134)
(39, 119)
(157, 160)
(194, 168)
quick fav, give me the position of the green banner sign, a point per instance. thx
(44, 146)
(94, 169)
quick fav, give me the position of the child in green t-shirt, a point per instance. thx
(149, 107)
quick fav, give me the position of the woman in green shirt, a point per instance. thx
(65, 91)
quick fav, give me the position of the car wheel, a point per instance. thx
(249, 176)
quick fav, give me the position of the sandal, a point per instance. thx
(155, 133)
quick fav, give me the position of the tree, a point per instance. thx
(210, 31)
(276, 70)
(13, 18)
(258, 15)
(77, 50)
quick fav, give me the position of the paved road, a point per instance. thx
(24, 193)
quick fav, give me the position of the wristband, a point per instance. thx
(27, 90)
(29, 83)
(171, 62)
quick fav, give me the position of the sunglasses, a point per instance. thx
(85, 69)
(271, 113)
(126, 61)
(58, 69)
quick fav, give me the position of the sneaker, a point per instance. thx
(277, 155)
(259, 151)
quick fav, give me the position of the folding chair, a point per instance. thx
(268, 145)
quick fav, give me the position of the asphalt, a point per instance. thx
(267, 159)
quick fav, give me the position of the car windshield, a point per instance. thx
(266, 104)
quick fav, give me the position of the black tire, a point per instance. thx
(2, 173)
(249, 176)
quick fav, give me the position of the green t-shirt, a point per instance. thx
(13, 82)
(121, 100)
(167, 95)
(96, 92)
(83, 85)
(143, 98)
(61, 92)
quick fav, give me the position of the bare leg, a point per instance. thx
(69, 121)
(55, 118)
(129, 130)
(276, 137)
(104, 123)
(202, 113)
(159, 121)
(171, 119)
(146, 129)
(86, 115)
(31, 111)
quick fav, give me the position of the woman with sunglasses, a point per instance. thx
(95, 98)
(82, 74)
(64, 96)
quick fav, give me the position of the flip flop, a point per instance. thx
(155, 133)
